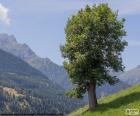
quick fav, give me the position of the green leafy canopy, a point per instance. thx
(93, 47)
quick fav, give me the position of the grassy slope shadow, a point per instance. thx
(121, 101)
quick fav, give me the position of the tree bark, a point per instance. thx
(92, 96)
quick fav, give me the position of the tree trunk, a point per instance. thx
(92, 96)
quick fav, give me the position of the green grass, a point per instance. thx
(114, 105)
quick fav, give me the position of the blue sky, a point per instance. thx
(41, 23)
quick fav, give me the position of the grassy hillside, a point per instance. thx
(114, 105)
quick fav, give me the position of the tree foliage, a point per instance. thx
(93, 47)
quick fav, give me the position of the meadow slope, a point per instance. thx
(114, 105)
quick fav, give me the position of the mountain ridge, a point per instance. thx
(132, 76)
(19, 78)
(8, 43)
(54, 72)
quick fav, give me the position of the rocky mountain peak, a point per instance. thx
(138, 66)
(10, 44)
(5, 38)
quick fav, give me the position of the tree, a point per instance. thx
(93, 47)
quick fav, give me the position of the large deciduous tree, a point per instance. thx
(93, 47)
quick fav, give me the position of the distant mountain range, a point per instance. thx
(54, 72)
(25, 89)
(131, 77)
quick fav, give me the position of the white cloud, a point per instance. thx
(4, 18)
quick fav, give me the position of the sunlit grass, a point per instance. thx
(114, 105)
